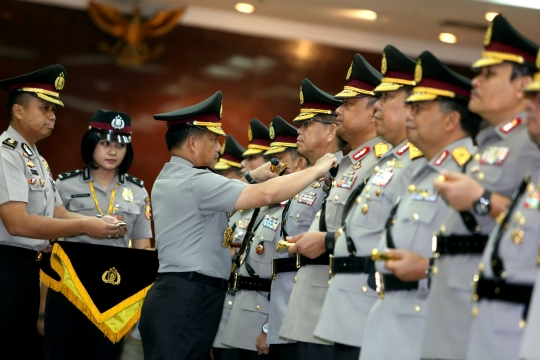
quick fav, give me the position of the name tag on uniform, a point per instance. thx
(382, 178)
(242, 223)
(79, 195)
(271, 222)
(307, 198)
(532, 198)
(425, 195)
(347, 180)
(34, 172)
(494, 155)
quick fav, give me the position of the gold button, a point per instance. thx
(481, 176)
(474, 312)
(368, 196)
(415, 216)
(522, 324)
(417, 308)
(376, 169)
(258, 307)
(365, 209)
(443, 228)
(368, 188)
(378, 192)
(329, 281)
(295, 279)
(517, 236)
(298, 216)
(318, 215)
(411, 188)
(336, 198)
(364, 288)
(295, 196)
(394, 221)
(476, 157)
(435, 270)
(358, 199)
(262, 238)
(522, 221)
(229, 302)
(481, 266)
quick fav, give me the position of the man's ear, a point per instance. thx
(18, 111)
(192, 143)
(451, 120)
(301, 163)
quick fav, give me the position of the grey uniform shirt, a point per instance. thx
(349, 300)
(130, 200)
(309, 291)
(298, 218)
(398, 319)
(25, 177)
(505, 153)
(190, 215)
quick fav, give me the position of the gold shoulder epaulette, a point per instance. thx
(10, 143)
(414, 152)
(461, 155)
(380, 149)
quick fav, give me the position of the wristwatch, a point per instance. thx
(482, 206)
(265, 328)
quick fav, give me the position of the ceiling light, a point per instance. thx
(244, 8)
(364, 14)
(448, 38)
(490, 15)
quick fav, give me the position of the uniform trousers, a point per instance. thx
(284, 351)
(346, 352)
(180, 319)
(312, 351)
(242, 354)
(19, 302)
(70, 335)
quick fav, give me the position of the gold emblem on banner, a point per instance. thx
(271, 131)
(59, 82)
(227, 237)
(418, 72)
(349, 72)
(250, 134)
(487, 39)
(383, 65)
(111, 276)
(127, 195)
(301, 96)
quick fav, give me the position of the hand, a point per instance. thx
(459, 190)
(121, 228)
(325, 163)
(409, 267)
(263, 172)
(40, 327)
(102, 228)
(260, 344)
(310, 244)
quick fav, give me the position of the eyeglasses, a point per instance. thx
(305, 124)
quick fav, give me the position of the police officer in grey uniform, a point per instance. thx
(442, 127)
(530, 347)
(102, 188)
(317, 135)
(228, 164)
(250, 310)
(28, 203)
(349, 299)
(358, 131)
(504, 155)
(259, 142)
(181, 312)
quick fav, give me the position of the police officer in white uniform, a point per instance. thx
(181, 312)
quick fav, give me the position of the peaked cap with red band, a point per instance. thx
(231, 154)
(111, 126)
(361, 79)
(44, 83)
(205, 115)
(283, 136)
(504, 43)
(315, 102)
(397, 69)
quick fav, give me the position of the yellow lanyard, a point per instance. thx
(111, 202)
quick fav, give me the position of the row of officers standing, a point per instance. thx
(368, 255)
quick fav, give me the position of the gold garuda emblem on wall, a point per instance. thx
(130, 50)
(111, 276)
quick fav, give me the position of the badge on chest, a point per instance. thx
(382, 178)
(532, 198)
(271, 222)
(307, 198)
(347, 180)
(242, 223)
(494, 155)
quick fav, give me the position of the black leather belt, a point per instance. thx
(501, 290)
(220, 284)
(389, 282)
(461, 244)
(291, 264)
(351, 265)
(251, 283)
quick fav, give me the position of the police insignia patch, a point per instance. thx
(127, 195)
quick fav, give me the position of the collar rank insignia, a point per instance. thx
(307, 198)
(27, 150)
(30, 164)
(271, 222)
(494, 155)
(414, 152)
(10, 143)
(383, 177)
(510, 125)
(461, 155)
(361, 153)
(532, 197)
(441, 158)
(347, 180)
(380, 149)
(402, 150)
(357, 165)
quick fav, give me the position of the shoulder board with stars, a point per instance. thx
(10, 143)
(461, 155)
(380, 149)
(69, 174)
(361, 153)
(134, 180)
(441, 158)
(402, 150)
(510, 125)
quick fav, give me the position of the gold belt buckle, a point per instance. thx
(474, 284)
(39, 255)
(379, 284)
(273, 268)
(235, 283)
(331, 266)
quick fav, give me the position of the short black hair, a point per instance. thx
(16, 97)
(176, 137)
(88, 145)
(521, 70)
(470, 122)
(292, 150)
